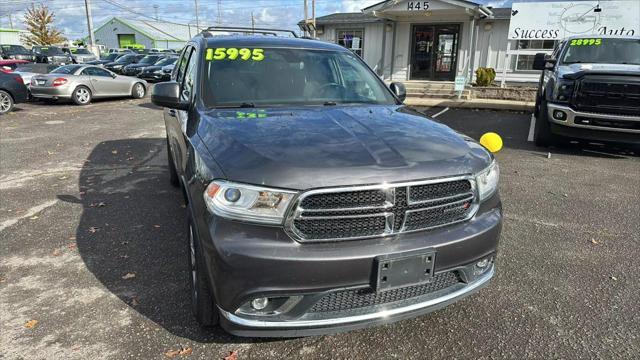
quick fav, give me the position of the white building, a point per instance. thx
(442, 39)
(11, 36)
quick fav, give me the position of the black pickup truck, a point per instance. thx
(590, 90)
(317, 201)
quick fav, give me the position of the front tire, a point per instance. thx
(542, 135)
(6, 102)
(138, 91)
(202, 302)
(81, 95)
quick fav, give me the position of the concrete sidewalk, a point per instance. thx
(473, 104)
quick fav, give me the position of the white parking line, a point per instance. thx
(440, 113)
(29, 213)
(531, 127)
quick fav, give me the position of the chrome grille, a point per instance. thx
(359, 298)
(380, 210)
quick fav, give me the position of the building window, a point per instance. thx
(522, 59)
(351, 39)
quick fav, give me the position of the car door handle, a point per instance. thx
(172, 112)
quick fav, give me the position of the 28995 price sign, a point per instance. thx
(417, 5)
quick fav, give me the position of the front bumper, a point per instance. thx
(594, 126)
(247, 261)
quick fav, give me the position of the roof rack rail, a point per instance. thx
(264, 31)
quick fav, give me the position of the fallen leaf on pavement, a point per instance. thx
(129, 276)
(135, 302)
(63, 177)
(614, 278)
(34, 217)
(71, 246)
(186, 351)
(56, 252)
(172, 353)
(72, 237)
(114, 152)
(31, 324)
(156, 226)
(93, 229)
(233, 355)
(594, 241)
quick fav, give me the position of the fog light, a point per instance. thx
(259, 303)
(559, 115)
(232, 195)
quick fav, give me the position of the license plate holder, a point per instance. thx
(404, 269)
(41, 82)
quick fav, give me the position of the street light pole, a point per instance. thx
(306, 17)
(92, 40)
(197, 19)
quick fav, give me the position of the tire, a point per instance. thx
(6, 102)
(81, 95)
(138, 91)
(173, 174)
(542, 135)
(202, 302)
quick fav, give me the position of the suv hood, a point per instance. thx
(314, 147)
(574, 71)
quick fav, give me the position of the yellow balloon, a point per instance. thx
(491, 141)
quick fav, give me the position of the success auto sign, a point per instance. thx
(558, 20)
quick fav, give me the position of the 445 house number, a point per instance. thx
(417, 5)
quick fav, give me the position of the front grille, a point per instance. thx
(607, 123)
(609, 94)
(353, 213)
(360, 298)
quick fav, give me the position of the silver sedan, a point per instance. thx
(81, 83)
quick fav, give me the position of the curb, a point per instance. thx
(473, 104)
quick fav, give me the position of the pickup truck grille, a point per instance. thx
(609, 95)
(359, 298)
(370, 211)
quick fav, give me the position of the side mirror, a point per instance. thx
(167, 94)
(542, 61)
(399, 90)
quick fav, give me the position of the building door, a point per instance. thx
(126, 39)
(434, 52)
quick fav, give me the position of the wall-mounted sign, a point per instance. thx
(558, 20)
(417, 5)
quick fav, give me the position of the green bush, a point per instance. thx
(485, 76)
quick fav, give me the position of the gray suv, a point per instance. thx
(317, 202)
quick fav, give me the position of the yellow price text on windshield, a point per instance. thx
(235, 54)
(585, 42)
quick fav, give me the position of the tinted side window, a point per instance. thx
(189, 77)
(182, 64)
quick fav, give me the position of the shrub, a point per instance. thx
(485, 76)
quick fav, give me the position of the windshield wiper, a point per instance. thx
(242, 105)
(330, 103)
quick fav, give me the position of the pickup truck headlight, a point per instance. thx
(159, 72)
(487, 181)
(247, 202)
(563, 90)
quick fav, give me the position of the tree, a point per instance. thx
(40, 31)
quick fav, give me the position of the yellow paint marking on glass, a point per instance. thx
(235, 54)
(585, 42)
(251, 115)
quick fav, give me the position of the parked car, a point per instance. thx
(317, 201)
(121, 50)
(121, 62)
(82, 83)
(135, 69)
(12, 91)
(27, 71)
(15, 52)
(10, 65)
(168, 51)
(80, 55)
(589, 89)
(157, 71)
(51, 55)
(109, 58)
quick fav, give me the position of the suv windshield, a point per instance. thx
(293, 77)
(49, 51)
(608, 51)
(81, 51)
(111, 57)
(14, 49)
(149, 59)
(166, 61)
(126, 58)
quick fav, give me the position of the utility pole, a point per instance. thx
(197, 19)
(219, 20)
(253, 24)
(306, 17)
(313, 16)
(155, 7)
(92, 40)
(10, 21)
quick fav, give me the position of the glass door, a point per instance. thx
(434, 52)
(422, 52)
(446, 52)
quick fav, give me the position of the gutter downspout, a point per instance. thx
(469, 69)
(384, 45)
(393, 50)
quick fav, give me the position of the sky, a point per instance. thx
(70, 15)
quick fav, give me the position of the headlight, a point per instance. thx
(50, 58)
(563, 90)
(487, 181)
(159, 72)
(247, 202)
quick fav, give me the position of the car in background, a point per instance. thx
(82, 83)
(12, 91)
(123, 61)
(8, 66)
(51, 55)
(120, 50)
(80, 55)
(168, 51)
(105, 59)
(156, 72)
(15, 52)
(135, 69)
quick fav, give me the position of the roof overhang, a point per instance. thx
(389, 7)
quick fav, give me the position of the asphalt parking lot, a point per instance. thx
(93, 246)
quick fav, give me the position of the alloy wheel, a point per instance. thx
(82, 95)
(139, 90)
(5, 103)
